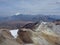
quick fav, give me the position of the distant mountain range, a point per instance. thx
(22, 17)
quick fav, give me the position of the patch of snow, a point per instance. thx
(17, 13)
(44, 22)
(14, 33)
(41, 26)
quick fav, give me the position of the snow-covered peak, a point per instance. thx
(17, 13)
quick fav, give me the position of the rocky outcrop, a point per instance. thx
(25, 36)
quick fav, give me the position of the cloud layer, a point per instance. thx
(11, 7)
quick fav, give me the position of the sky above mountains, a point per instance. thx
(12, 7)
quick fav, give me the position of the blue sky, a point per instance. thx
(11, 7)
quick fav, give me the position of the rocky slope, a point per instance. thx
(7, 39)
(46, 33)
(42, 35)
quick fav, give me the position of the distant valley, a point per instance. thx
(21, 19)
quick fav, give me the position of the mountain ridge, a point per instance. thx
(22, 17)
